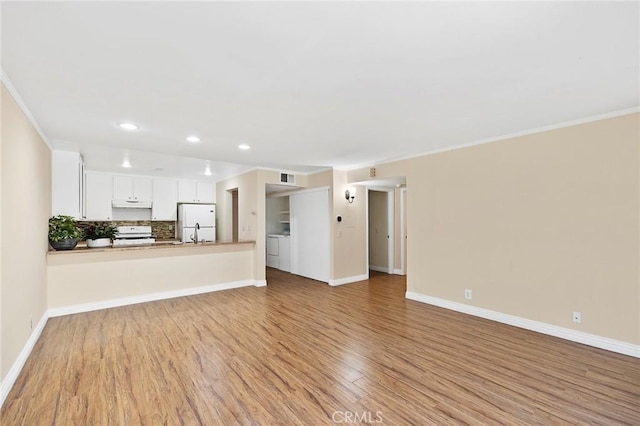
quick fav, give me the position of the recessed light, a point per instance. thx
(244, 146)
(128, 126)
(126, 164)
(193, 139)
(207, 171)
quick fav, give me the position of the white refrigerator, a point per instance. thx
(192, 216)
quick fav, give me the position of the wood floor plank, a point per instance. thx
(301, 352)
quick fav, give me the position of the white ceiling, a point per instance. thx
(312, 84)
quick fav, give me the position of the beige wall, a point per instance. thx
(251, 211)
(317, 180)
(26, 204)
(81, 277)
(251, 214)
(348, 239)
(378, 230)
(537, 226)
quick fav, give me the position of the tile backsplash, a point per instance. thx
(161, 230)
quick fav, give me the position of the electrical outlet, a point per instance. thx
(468, 294)
(577, 317)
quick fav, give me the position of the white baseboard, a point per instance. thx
(398, 272)
(123, 301)
(541, 327)
(379, 268)
(347, 280)
(14, 371)
(260, 283)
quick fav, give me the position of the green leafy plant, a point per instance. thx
(63, 228)
(94, 232)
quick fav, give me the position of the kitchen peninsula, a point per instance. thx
(83, 279)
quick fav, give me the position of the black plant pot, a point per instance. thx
(66, 244)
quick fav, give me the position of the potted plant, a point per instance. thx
(100, 235)
(63, 232)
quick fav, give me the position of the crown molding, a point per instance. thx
(16, 96)
(527, 132)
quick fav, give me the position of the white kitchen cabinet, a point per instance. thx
(191, 191)
(284, 253)
(132, 188)
(206, 192)
(272, 252)
(272, 245)
(67, 170)
(279, 252)
(187, 191)
(165, 199)
(98, 193)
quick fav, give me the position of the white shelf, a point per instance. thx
(284, 216)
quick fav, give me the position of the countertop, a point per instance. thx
(168, 244)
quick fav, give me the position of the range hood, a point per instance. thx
(131, 204)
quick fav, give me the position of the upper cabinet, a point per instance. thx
(87, 195)
(191, 191)
(132, 188)
(165, 199)
(98, 193)
(206, 192)
(67, 175)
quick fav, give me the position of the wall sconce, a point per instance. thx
(350, 194)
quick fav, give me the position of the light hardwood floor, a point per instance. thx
(301, 352)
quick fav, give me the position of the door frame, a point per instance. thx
(403, 232)
(390, 225)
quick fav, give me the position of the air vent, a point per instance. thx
(287, 178)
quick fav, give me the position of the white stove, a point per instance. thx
(133, 236)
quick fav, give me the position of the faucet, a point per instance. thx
(195, 233)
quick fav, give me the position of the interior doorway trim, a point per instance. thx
(390, 228)
(402, 270)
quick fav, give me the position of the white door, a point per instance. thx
(284, 253)
(142, 188)
(122, 188)
(205, 215)
(187, 191)
(309, 214)
(99, 189)
(207, 234)
(66, 183)
(187, 235)
(165, 199)
(206, 192)
(272, 246)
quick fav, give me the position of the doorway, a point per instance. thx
(403, 231)
(381, 230)
(234, 214)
